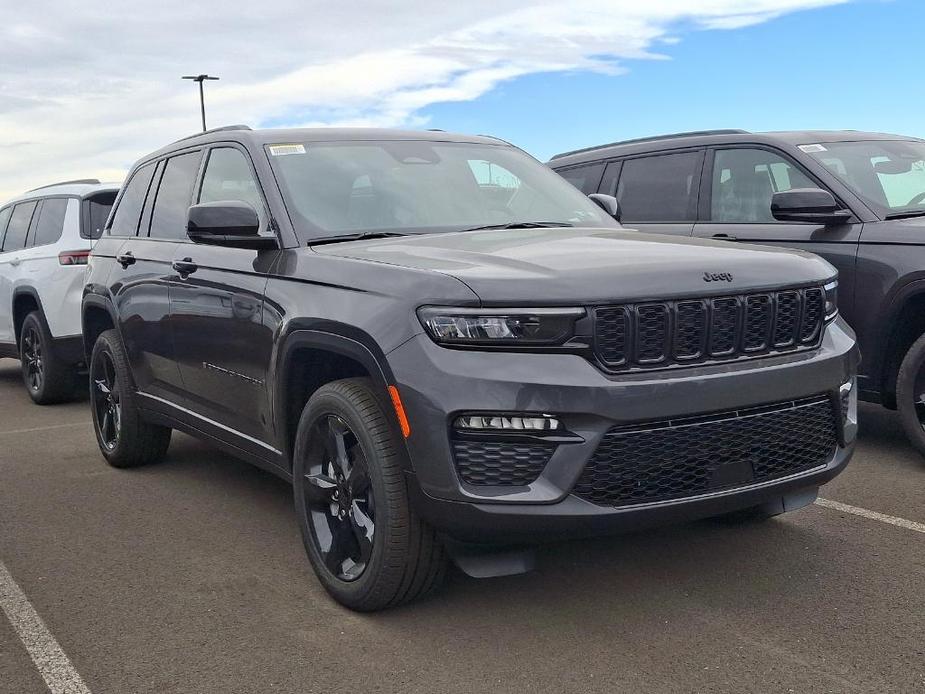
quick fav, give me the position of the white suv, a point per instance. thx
(45, 238)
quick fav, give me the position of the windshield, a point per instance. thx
(888, 174)
(338, 188)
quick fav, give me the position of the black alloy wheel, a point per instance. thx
(104, 392)
(33, 359)
(339, 500)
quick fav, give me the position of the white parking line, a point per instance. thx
(51, 662)
(873, 515)
(50, 426)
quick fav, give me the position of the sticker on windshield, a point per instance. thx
(812, 149)
(283, 150)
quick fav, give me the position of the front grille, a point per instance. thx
(508, 463)
(660, 461)
(666, 333)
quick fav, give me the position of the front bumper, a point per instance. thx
(437, 384)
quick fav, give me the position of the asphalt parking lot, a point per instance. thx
(190, 577)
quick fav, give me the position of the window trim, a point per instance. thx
(696, 184)
(107, 231)
(37, 216)
(3, 230)
(705, 209)
(163, 162)
(36, 203)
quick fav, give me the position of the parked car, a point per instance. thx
(444, 346)
(45, 238)
(857, 199)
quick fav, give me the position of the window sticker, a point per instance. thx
(283, 150)
(812, 149)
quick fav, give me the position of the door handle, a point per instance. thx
(125, 259)
(185, 267)
(725, 237)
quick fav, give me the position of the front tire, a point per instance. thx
(365, 542)
(910, 394)
(47, 378)
(125, 439)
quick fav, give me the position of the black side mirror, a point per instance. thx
(608, 203)
(808, 205)
(227, 223)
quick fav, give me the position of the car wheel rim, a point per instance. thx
(33, 359)
(338, 497)
(106, 400)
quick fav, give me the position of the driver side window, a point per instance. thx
(228, 176)
(744, 181)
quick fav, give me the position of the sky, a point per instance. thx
(86, 89)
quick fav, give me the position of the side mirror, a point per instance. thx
(229, 223)
(808, 205)
(608, 203)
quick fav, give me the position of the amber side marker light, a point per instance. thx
(400, 412)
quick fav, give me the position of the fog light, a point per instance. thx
(506, 422)
(848, 399)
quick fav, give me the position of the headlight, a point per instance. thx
(526, 326)
(831, 300)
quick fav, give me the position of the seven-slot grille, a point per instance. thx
(665, 333)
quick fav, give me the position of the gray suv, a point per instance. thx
(857, 199)
(445, 347)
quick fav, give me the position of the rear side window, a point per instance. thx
(125, 220)
(50, 223)
(18, 227)
(168, 221)
(95, 213)
(585, 178)
(4, 220)
(663, 188)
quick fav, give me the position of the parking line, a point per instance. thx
(50, 426)
(51, 662)
(873, 515)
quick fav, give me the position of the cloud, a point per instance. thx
(86, 90)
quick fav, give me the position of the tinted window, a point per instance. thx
(50, 223)
(585, 178)
(229, 176)
(125, 221)
(660, 189)
(96, 212)
(174, 196)
(4, 219)
(18, 227)
(744, 181)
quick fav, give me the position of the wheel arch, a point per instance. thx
(97, 315)
(25, 301)
(903, 324)
(310, 358)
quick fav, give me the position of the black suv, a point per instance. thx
(444, 346)
(857, 199)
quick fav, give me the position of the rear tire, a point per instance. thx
(47, 378)
(910, 394)
(125, 439)
(366, 544)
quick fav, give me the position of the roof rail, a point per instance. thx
(215, 130)
(655, 138)
(87, 181)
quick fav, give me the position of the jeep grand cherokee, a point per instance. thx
(444, 345)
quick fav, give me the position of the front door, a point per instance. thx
(736, 206)
(223, 345)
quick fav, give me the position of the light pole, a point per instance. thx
(202, 97)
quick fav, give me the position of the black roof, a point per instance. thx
(712, 137)
(266, 136)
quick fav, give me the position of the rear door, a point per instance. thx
(657, 193)
(6, 291)
(11, 256)
(223, 345)
(736, 206)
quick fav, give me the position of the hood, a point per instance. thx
(561, 266)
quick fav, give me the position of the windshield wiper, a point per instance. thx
(906, 214)
(521, 225)
(354, 237)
